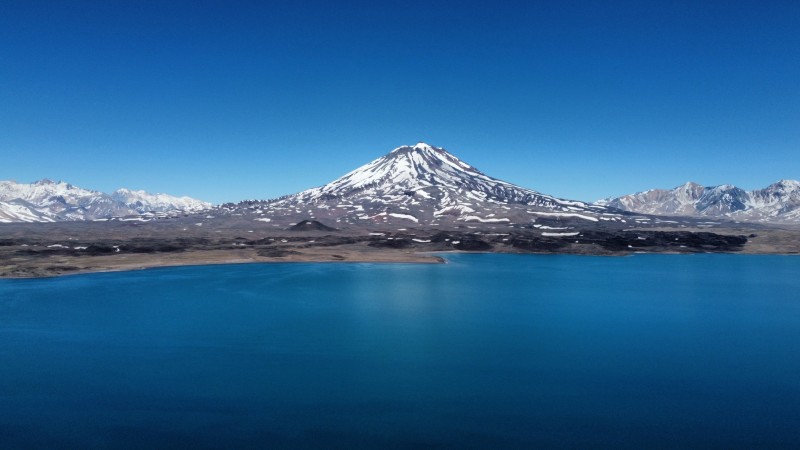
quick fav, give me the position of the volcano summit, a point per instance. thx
(426, 185)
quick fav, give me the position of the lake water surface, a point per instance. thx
(485, 351)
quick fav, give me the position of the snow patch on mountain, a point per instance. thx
(22, 211)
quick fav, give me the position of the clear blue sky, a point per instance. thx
(236, 100)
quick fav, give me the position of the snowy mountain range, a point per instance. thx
(417, 185)
(777, 203)
(426, 185)
(50, 201)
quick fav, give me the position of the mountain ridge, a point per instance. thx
(777, 203)
(46, 200)
(412, 185)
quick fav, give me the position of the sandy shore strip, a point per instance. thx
(68, 265)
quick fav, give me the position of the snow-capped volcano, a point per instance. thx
(51, 201)
(779, 202)
(426, 184)
(424, 170)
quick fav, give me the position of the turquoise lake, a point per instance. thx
(487, 351)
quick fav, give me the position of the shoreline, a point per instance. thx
(130, 263)
(39, 252)
(82, 265)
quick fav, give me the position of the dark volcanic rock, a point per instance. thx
(441, 237)
(664, 240)
(471, 243)
(99, 249)
(310, 225)
(331, 241)
(533, 244)
(28, 252)
(390, 243)
(274, 252)
(156, 247)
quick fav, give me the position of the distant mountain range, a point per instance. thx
(777, 203)
(50, 201)
(417, 185)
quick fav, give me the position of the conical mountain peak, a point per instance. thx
(404, 169)
(421, 148)
(425, 184)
